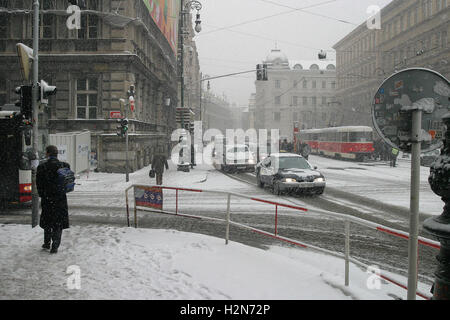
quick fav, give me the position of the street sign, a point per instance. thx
(115, 115)
(149, 197)
(405, 91)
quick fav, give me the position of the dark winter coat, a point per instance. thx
(159, 162)
(54, 204)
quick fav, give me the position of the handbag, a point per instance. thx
(152, 173)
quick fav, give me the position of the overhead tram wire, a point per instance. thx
(279, 14)
(312, 13)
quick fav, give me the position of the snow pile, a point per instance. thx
(128, 263)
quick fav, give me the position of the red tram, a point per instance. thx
(353, 142)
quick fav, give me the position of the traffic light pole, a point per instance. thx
(35, 95)
(127, 169)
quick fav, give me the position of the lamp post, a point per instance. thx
(35, 95)
(185, 9)
(439, 181)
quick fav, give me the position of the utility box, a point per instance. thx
(73, 148)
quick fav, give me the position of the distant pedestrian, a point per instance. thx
(159, 162)
(305, 150)
(394, 155)
(55, 213)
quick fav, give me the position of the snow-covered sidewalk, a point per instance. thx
(128, 263)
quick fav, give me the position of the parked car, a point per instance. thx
(427, 158)
(288, 172)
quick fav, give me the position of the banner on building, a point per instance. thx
(165, 14)
(149, 197)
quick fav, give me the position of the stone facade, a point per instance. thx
(414, 33)
(118, 45)
(300, 91)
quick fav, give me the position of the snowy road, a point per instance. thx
(100, 199)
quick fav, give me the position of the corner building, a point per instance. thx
(120, 43)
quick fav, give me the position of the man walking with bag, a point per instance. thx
(55, 213)
(159, 161)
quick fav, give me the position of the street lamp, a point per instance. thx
(186, 7)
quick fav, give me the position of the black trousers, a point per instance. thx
(54, 235)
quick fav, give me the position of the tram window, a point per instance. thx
(315, 136)
(360, 136)
(344, 136)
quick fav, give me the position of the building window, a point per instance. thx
(277, 100)
(324, 101)
(89, 27)
(305, 84)
(4, 3)
(294, 100)
(305, 101)
(277, 84)
(314, 84)
(333, 85)
(277, 116)
(87, 98)
(314, 101)
(4, 26)
(324, 84)
(3, 92)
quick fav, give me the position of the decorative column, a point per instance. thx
(439, 180)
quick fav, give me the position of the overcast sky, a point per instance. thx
(238, 34)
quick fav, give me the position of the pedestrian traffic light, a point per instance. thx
(123, 128)
(124, 124)
(46, 91)
(25, 100)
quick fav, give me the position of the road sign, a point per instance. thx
(403, 92)
(115, 115)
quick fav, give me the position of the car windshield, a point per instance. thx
(293, 163)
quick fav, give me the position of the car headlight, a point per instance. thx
(289, 180)
(320, 179)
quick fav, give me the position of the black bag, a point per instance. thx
(152, 173)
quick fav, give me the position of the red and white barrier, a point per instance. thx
(275, 235)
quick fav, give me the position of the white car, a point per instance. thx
(234, 158)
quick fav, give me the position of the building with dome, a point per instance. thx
(300, 91)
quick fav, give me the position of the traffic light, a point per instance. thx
(261, 72)
(265, 75)
(80, 3)
(46, 91)
(123, 128)
(25, 100)
(322, 55)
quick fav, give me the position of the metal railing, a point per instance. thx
(346, 219)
